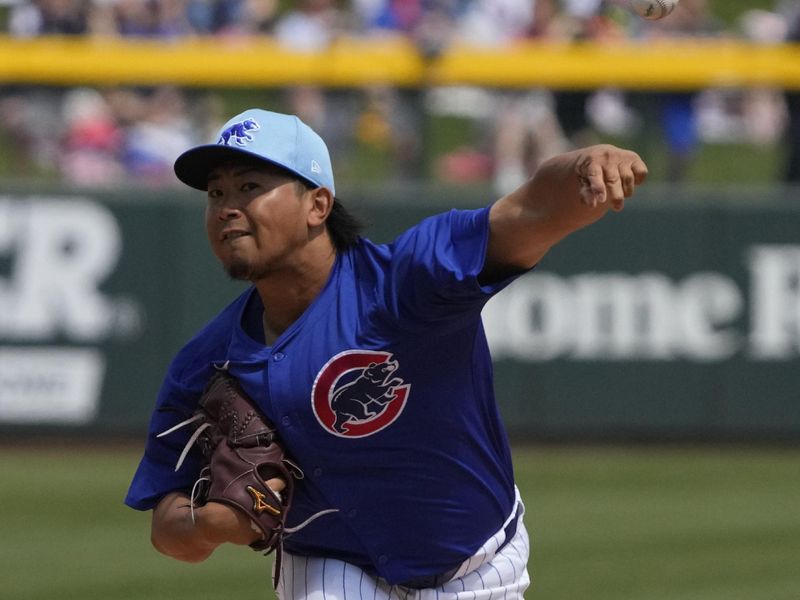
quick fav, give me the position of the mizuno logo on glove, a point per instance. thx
(259, 504)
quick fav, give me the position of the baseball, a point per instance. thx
(653, 9)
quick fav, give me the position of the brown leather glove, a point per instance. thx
(243, 452)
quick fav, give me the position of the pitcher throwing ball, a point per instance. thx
(366, 364)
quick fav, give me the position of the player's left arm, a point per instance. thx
(567, 192)
(188, 537)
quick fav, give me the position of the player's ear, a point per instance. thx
(321, 206)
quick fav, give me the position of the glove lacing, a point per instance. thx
(192, 439)
(204, 477)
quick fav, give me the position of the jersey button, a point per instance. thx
(383, 559)
(286, 421)
(317, 472)
(352, 513)
(278, 356)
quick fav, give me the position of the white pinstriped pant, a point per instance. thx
(488, 575)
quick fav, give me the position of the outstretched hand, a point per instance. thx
(568, 191)
(608, 174)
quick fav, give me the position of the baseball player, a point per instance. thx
(371, 361)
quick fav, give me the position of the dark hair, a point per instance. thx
(343, 226)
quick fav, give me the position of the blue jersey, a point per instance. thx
(382, 391)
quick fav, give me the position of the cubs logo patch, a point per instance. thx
(239, 133)
(356, 394)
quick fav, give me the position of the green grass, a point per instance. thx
(606, 523)
(663, 524)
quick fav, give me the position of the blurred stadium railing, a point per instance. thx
(354, 62)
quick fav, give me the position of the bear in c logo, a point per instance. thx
(356, 394)
(238, 133)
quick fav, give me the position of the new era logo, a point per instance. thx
(315, 168)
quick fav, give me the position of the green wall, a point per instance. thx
(679, 317)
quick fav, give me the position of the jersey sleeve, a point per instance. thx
(177, 399)
(436, 265)
(156, 475)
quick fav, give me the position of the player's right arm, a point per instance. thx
(567, 192)
(175, 534)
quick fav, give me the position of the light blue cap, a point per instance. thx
(283, 140)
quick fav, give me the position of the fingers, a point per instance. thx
(276, 484)
(592, 178)
(609, 175)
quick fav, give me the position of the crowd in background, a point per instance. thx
(107, 136)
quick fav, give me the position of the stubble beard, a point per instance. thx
(243, 270)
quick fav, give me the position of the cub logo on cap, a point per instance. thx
(355, 394)
(238, 133)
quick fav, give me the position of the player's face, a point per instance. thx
(255, 219)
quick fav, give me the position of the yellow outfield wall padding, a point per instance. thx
(206, 62)
(665, 65)
(355, 62)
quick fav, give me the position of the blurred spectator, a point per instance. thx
(92, 140)
(102, 135)
(387, 15)
(677, 111)
(51, 17)
(430, 24)
(763, 112)
(312, 26)
(527, 132)
(157, 136)
(136, 17)
(498, 22)
(438, 23)
(31, 118)
(151, 18)
(524, 124)
(791, 170)
(172, 19)
(579, 21)
(392, 120)
(232, 17)
(102, 19)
